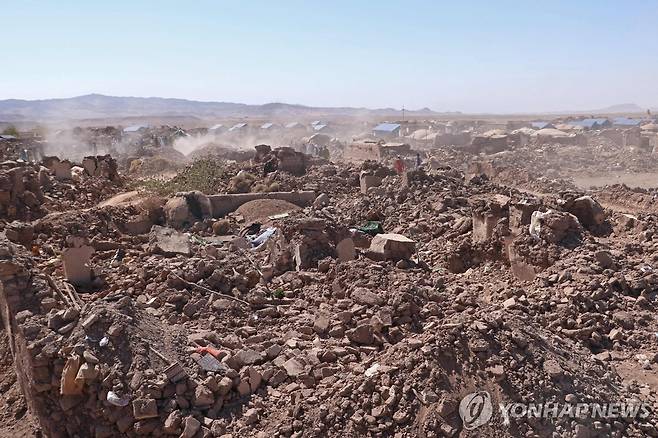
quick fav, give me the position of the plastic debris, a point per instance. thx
(262, 237)
(115, 400)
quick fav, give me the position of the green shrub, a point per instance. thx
(205, 175)
(10, 130)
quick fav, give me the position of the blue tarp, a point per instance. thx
(386, 127)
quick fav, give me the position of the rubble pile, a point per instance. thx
(227, 152)
(350, 301)
(21, 194)
(28, 191)
(550, 167)
(634, 200)
(285, 159)
(102, 166)
(150, 166)
(91, 182)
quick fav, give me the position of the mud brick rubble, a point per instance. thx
(306, 298)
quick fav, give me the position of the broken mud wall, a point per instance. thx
(291, 161)
(631, 138)
(65, 353)
(84, 369)
(34, 361)
(478, 168)
(571, 140)
(489, 144)
(101, 165)
(362, 151)
(21, 196)
(447, 139)
(614, 135)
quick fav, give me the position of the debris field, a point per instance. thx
(280, 294)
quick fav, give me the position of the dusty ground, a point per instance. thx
(644, 180)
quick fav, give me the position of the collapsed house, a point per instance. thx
(386, 130)
(284, 158)
(548, 135)
(374, 150)
(592, 123)
(490, 142)
(452, 139)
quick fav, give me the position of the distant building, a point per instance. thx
(135, 128)
(542, 125)
(490, 142)
(374, 150)
(294, 125)
(552, 135)
(216, 129)
(453, 139)
(317, 139)
(511, 125)
(386, 130)
(238, 127)
(626, 122)
(321, 127)
(598, 123)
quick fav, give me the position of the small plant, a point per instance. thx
(206, 175)
(10, 130)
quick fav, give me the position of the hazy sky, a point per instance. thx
(496, 56)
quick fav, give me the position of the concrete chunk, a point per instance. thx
(392, 246)
(76, 264)
(294, 367)
(144, 408)
(168, 241)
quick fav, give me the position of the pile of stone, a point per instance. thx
(285, 159)
(101, 166)
(372, 308)
(21, 194)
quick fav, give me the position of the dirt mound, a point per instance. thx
(633, 200)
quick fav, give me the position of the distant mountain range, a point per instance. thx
(624, 108)
(621, 108)
(98, 106)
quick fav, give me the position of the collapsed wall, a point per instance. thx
(21, 196)
(72, 359)
(23, 297)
